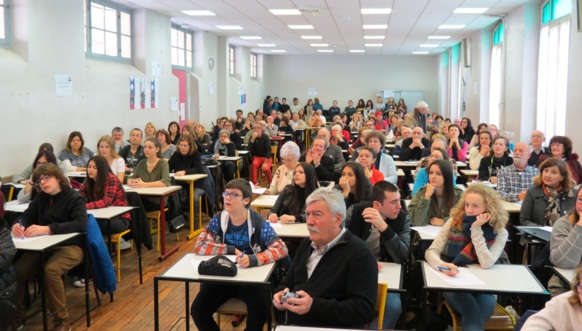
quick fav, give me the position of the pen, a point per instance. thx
(20, 223)
(441, 268)
(241, 255)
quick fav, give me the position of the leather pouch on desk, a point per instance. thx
(177, 223)
(219, 265)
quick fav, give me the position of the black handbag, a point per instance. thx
(176, 223)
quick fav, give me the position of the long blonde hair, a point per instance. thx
(493, 203)
(109, 140)
(574, 299)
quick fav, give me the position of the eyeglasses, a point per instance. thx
(578, 287)
(536, 136)
(557, 144)
(288, 159)
(232, 195)
(43, 178)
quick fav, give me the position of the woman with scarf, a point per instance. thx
(551, 197)
(475, 233)
(499, 158)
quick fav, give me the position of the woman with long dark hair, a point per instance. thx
(499, 158)
(290, 205)
(354, 184)
(561, 149)
(28, 192)
(467, 130)
(483, 149)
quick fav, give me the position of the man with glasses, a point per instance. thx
(385, 228)
(412, 147)
(245, 233)
(333, 151)
(537, 148)
(234, 136)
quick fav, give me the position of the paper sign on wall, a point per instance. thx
(210, 88)
(173, 104)
(156, 69)
(312, 91)
(63, 85)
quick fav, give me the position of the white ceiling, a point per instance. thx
(339, 22)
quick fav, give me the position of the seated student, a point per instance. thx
(563, 312)
(334, 151)
(367, 158)
(225, 147)
(551, 197)
(289, 156)
(482, 127)
(322, 163)
(337, 137)
(354, 184)
(234, 137)
(566, 245)
(499, 158)
(174, 131)
(475, 233)
(152, 171)
(106, 148)
(241, 231)
(201, 136)
(412, 147)
(384, 162)
(483, 149)
(117, 135)
(290, 204)
(537, 147)
(23, 176)
(432, 203)
(437, 153)
(333, 273)
(168, 149)
(76, 152)
(467, 131)
(561, 148)
(57, 209)
(8, 285)
(133, 153)
(150, 130)
(260, 149)
(457, 148)
(514, 180)
(385, 227)
(436, 140)
(405, 132)
(28, 192)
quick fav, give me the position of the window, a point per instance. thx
(181, 47)
(553, 67)
(253, 65)
(496, 81)
(231, 60)
(108, 32)
(4, 22)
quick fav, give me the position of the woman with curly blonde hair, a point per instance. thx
(475, 233)
(201, 136)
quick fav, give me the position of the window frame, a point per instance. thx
(254, 67)
(185, 49)
(88, 36)
(7, 40)
(231, 60)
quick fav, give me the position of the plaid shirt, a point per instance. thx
(114, 195)
(510, 181)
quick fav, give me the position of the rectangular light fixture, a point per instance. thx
(357, 51)
(285, 11)
(419, 53)
(266, 45)
(450, 26)
(311, 37)
(429, 45)
(375, 26)
(373, 45)
(319, 45)
(229, 27)
(439, 37)
(300, 26)
(470, 10)
(375, 11)
(374, 37)
(325, 50)
(198, 12)
(278, 51)
(250, 37)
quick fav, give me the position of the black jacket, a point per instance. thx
(7, 253)
(283, 204)
(415, 153)
(325, 169)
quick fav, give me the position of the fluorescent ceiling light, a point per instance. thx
(439, 37)
(470, 10)
(357, 51)
(319, 45)
(285, 11)
(419, 53)
(229, 27)
(250, 37)
(374, 37)
(325, 50)
(375, 26)
(373, 45)
(266, 45)
(198, 12)
(450, 26)
(278, 51)
(429, 45)
(311, 37)
(301, 27)
(375, 11)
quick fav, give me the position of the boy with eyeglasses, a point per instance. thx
(241, 231)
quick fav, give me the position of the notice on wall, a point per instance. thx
(210, 88)
(312, 91)
(63, 85)
(173, 104)
(183, 111)
(156, 69)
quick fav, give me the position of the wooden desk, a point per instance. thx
(292, 230)
(161, 193)
(512, 207)
(186, 270)
(229, 158)
(400, 172)
(191, 179)
(264, 202)
(73, 174)
(543, 234)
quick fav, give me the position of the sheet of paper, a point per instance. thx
(276, 225)
(272, 197)
(257, 190)
(20, 207)
(463, 278)
(127, 187)
(429, 230)
(547, 228)
(28, 239)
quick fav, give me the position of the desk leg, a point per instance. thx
(162, 232)
(42, 266)
(138, 243)
(192, 211)
(156, 306)
(86, 256)
(187, 295)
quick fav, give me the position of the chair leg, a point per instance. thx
(158, 236)
(119, 259)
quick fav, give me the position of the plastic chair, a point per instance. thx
(381, 303)
(500, 320)
(116, 239)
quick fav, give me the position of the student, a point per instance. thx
(76, 152)
(432, 203)
(467, 131)
(457, 147)
(551, 197)
(8, 285)
(367, 158)
(322, 163)
(201, 136)
(117, 134)
(483, 149)
(225, 147)
(168, 149)
(241, 231)
(106, 148)
(561, 148)
(133, 153)
(354, 184)
(57, 209)
(422, 173)
(28, 192)
(499, 158)
(289, 156)
(475, 233)
(174, 130)
(290, 204)
(150, 130)
(260, 149)
(482, 127)
(384, 162)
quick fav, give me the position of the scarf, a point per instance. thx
(553, 209)
(460, 249)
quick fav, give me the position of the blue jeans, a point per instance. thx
(475, 309)
(392, 312)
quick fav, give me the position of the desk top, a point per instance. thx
(16, 185)
(154, 191)
(413, 164)
(292, 230)
(543, 233)
(566, 275)
(42, 242)
(243, 152)
(190, 178)
(229, 158)
(264, 201)
(109, 212)
(427, 232)
(304, 328)
(511, 207)
(15, 206)
(400, 172)
(186, 269)
(468, 172)
(76, 174)
(391, 274)
(501, 278)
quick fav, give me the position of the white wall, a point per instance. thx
(349, 77)
(574, 82)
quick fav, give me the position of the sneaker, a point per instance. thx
(81, 282)
(124, 244)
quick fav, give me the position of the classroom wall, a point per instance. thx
(574, 96)
(350, 77)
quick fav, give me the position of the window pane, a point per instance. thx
(189, 41)
(188, 59)
(111, 43)
(180, 39)
(126, 47)
(546, 13)
(501, 33)
(97, 16)
(561, 8)
(97, 41)
(110, 19)
(125, 24)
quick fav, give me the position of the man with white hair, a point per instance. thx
(333, 151)
(412, 147)
(514, 180)
(418, 117)
(405, 132)
(334, 277)
(272, 129)
(337, 137)
(537, 148)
